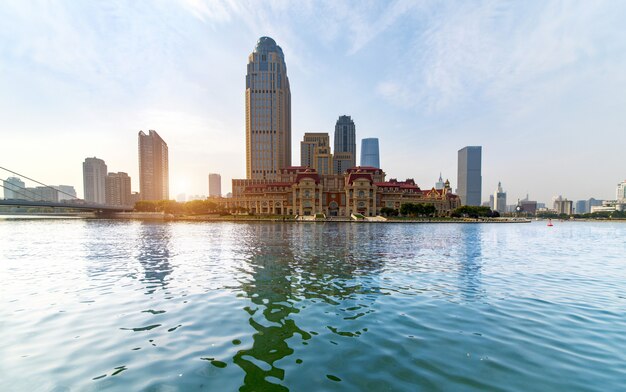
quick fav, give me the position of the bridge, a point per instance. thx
(28, 198)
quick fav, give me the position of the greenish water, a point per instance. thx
(125, 306)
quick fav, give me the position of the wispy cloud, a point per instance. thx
(490, 49)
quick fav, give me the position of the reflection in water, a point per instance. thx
(293, 263)
(154, 254)
(270, 290)
(471, 260)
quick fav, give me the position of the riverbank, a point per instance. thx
(155, 216)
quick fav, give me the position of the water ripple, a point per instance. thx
(108, 305)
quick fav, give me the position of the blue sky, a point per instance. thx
(541, 85)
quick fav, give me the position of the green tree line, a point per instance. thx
(474, 212)
(194, 207)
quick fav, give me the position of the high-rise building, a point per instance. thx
(499, 200)
(593, 203)
(527, 206)
(469, 175)
(118, 191)
(342, 161)
(370, 154)
(621, 191)
(309, 146)
(268, 112)
(563, 206)
(66, 192)
(94, 175)
(14, 189)
(439, 185)
(345, 140)
(153, 167)
(215, 185)
(315, 152)
(43, 193)
(581, 207)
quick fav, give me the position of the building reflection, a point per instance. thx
(104, 248)
(470, 285)
(270, 290)
(290, 263)
(154, 254)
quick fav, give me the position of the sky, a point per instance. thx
(541, 85)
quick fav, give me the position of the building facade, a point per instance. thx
(43, 193)
(315, 152)
(268, 112)
(621, 191)
(499, 200)
(342, 161)
(65, 192)
(470, 175)
(14, 188)
(118, 192)
(153, 167)
(370, 152)
(94, 175)
(345, 141)
(215, 185)
(563, 206)
(439, 184)
(360, 190)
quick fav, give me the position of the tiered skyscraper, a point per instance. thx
(345, 145)
(370, 155)
(153, 167)
(499, 199)
(469, 175)
(94, 175)
(268, 112)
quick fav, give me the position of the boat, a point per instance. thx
(550, 223)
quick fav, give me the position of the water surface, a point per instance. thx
(109, 305)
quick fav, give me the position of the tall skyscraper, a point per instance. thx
(469, 175)
(268, 112)
(370, 155)
(14, 189)
(153, 167)
(345, 139)
(499, 200)
(94, 175)
(118, 191)
(215, 185)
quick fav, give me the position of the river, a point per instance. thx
(92, 305)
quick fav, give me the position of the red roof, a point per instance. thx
(308, 174)
(368, 169)
(355, 176)
(396, 184)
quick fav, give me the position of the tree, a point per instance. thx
(474, 212)
(386, 211)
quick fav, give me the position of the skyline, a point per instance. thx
(542, 109)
